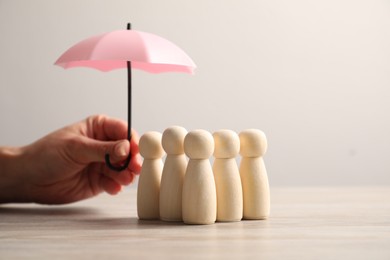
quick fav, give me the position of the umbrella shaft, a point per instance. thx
(129, 99)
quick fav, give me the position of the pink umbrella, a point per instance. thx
(127, 49)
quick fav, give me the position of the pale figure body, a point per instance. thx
(253, 174)
(173, 174)
(199, 202)
(227, 176)
(148, 192)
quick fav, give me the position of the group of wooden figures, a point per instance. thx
(192, 190)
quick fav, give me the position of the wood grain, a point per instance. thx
(305, 223)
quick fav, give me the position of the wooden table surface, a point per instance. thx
(305, 223)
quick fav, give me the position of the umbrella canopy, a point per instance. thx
(127, 49)
(112, 50)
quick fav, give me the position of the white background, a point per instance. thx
(313, 75)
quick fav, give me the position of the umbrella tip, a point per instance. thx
(128, 26)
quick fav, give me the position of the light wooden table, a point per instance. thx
(305, 223)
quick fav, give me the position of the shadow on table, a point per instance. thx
(133, 223)
(72, 218)
(78, 218)
(45, 211)
(127, 223)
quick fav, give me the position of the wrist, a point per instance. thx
(12, 183)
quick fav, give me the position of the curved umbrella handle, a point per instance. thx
(117, 168)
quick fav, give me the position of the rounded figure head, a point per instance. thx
(227, 144)
(173, 140)
(199, 144)
(253, 143)
(150, 145)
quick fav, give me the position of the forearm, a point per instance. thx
(12, 184)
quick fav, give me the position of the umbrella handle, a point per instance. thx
(120, 167)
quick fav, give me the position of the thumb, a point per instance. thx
(95, 150)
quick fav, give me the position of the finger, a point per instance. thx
(124, 177)
(134, 142)
(88, 150)
(95, 151)
(135, 162)
(104, 128)
(109, 185)
(135, 165)
(101, 170)
(114, 129)
(107, 128)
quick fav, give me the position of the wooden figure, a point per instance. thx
(227, 176)
(173, 174)
(150, 177)
(254, 179)
(199, 193)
